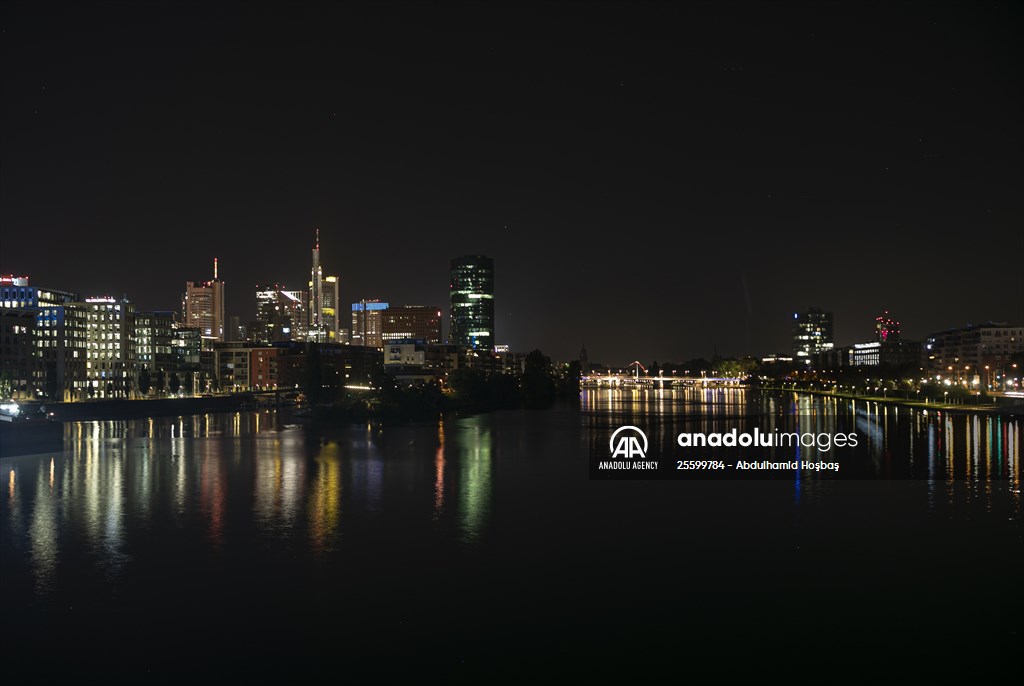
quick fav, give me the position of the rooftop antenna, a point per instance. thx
(214, 268)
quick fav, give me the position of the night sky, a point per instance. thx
(658, 181)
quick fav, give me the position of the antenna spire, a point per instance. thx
(214, 268)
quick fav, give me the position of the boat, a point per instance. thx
(27, 429)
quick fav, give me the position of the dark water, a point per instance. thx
(245, 544)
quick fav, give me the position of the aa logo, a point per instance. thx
(626, 442)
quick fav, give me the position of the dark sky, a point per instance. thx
(654, 180)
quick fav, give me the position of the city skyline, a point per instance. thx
(669, 183)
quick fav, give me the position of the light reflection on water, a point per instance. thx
(123, 479)
(896, 442)
(184, 531)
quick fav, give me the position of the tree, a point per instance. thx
(92, 391)
(161, 382)
(175, 384)
(569, 384)
(110, 389)
(538, 382)
(144, 383)
(313, 381)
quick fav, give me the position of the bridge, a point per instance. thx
(634, 378)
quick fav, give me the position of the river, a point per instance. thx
(248, 542)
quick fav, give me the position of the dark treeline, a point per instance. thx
(466, 390)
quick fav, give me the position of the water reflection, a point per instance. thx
(279, 481)
(43, 533)
(325, 498)
(220, 481)
(439, 464)
(894, 441)
(475, 449)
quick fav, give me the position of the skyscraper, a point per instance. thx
(368, 323)
(324, 302)
(812, 333)
(329, 308)
(202, 306)
(316, 296)
(280, 313)
(887, 329)
(472, 302)
(110, 347)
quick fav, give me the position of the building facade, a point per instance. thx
(973, 347)
(202, 306)
(263, 368)
(471, 288)
(110, 347)
(368, 323)
(154, 343)
(330, 309)
(59, 372)
(419, 322)
(887, 329)
(280, 315)
(18, 361)
(887, 353)
(812, 334)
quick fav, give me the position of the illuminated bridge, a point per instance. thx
(637, 376)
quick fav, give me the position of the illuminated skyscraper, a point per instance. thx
(329, 306)
(812, 333)
(887, 329)
(280, 313)
(316, 296)
(202, 306)
(110, 347)
(472, 302)
(368, 323)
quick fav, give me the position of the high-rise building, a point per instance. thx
(472, 302)
(154, 346)
(58, 337)
(202, 306)
(317, 331)
(329, 330)
(324, 302)
(186, 347)
(280, 314)
(330, 307)
(812, 333)
(234, 331)
(368, 323)
(420, 322)
(111, 349)
(18, 361)
(887, 329)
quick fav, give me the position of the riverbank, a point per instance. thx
(1014, 406)
(148, 407)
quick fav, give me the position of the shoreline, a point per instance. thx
(988, 408)
(123, 408)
